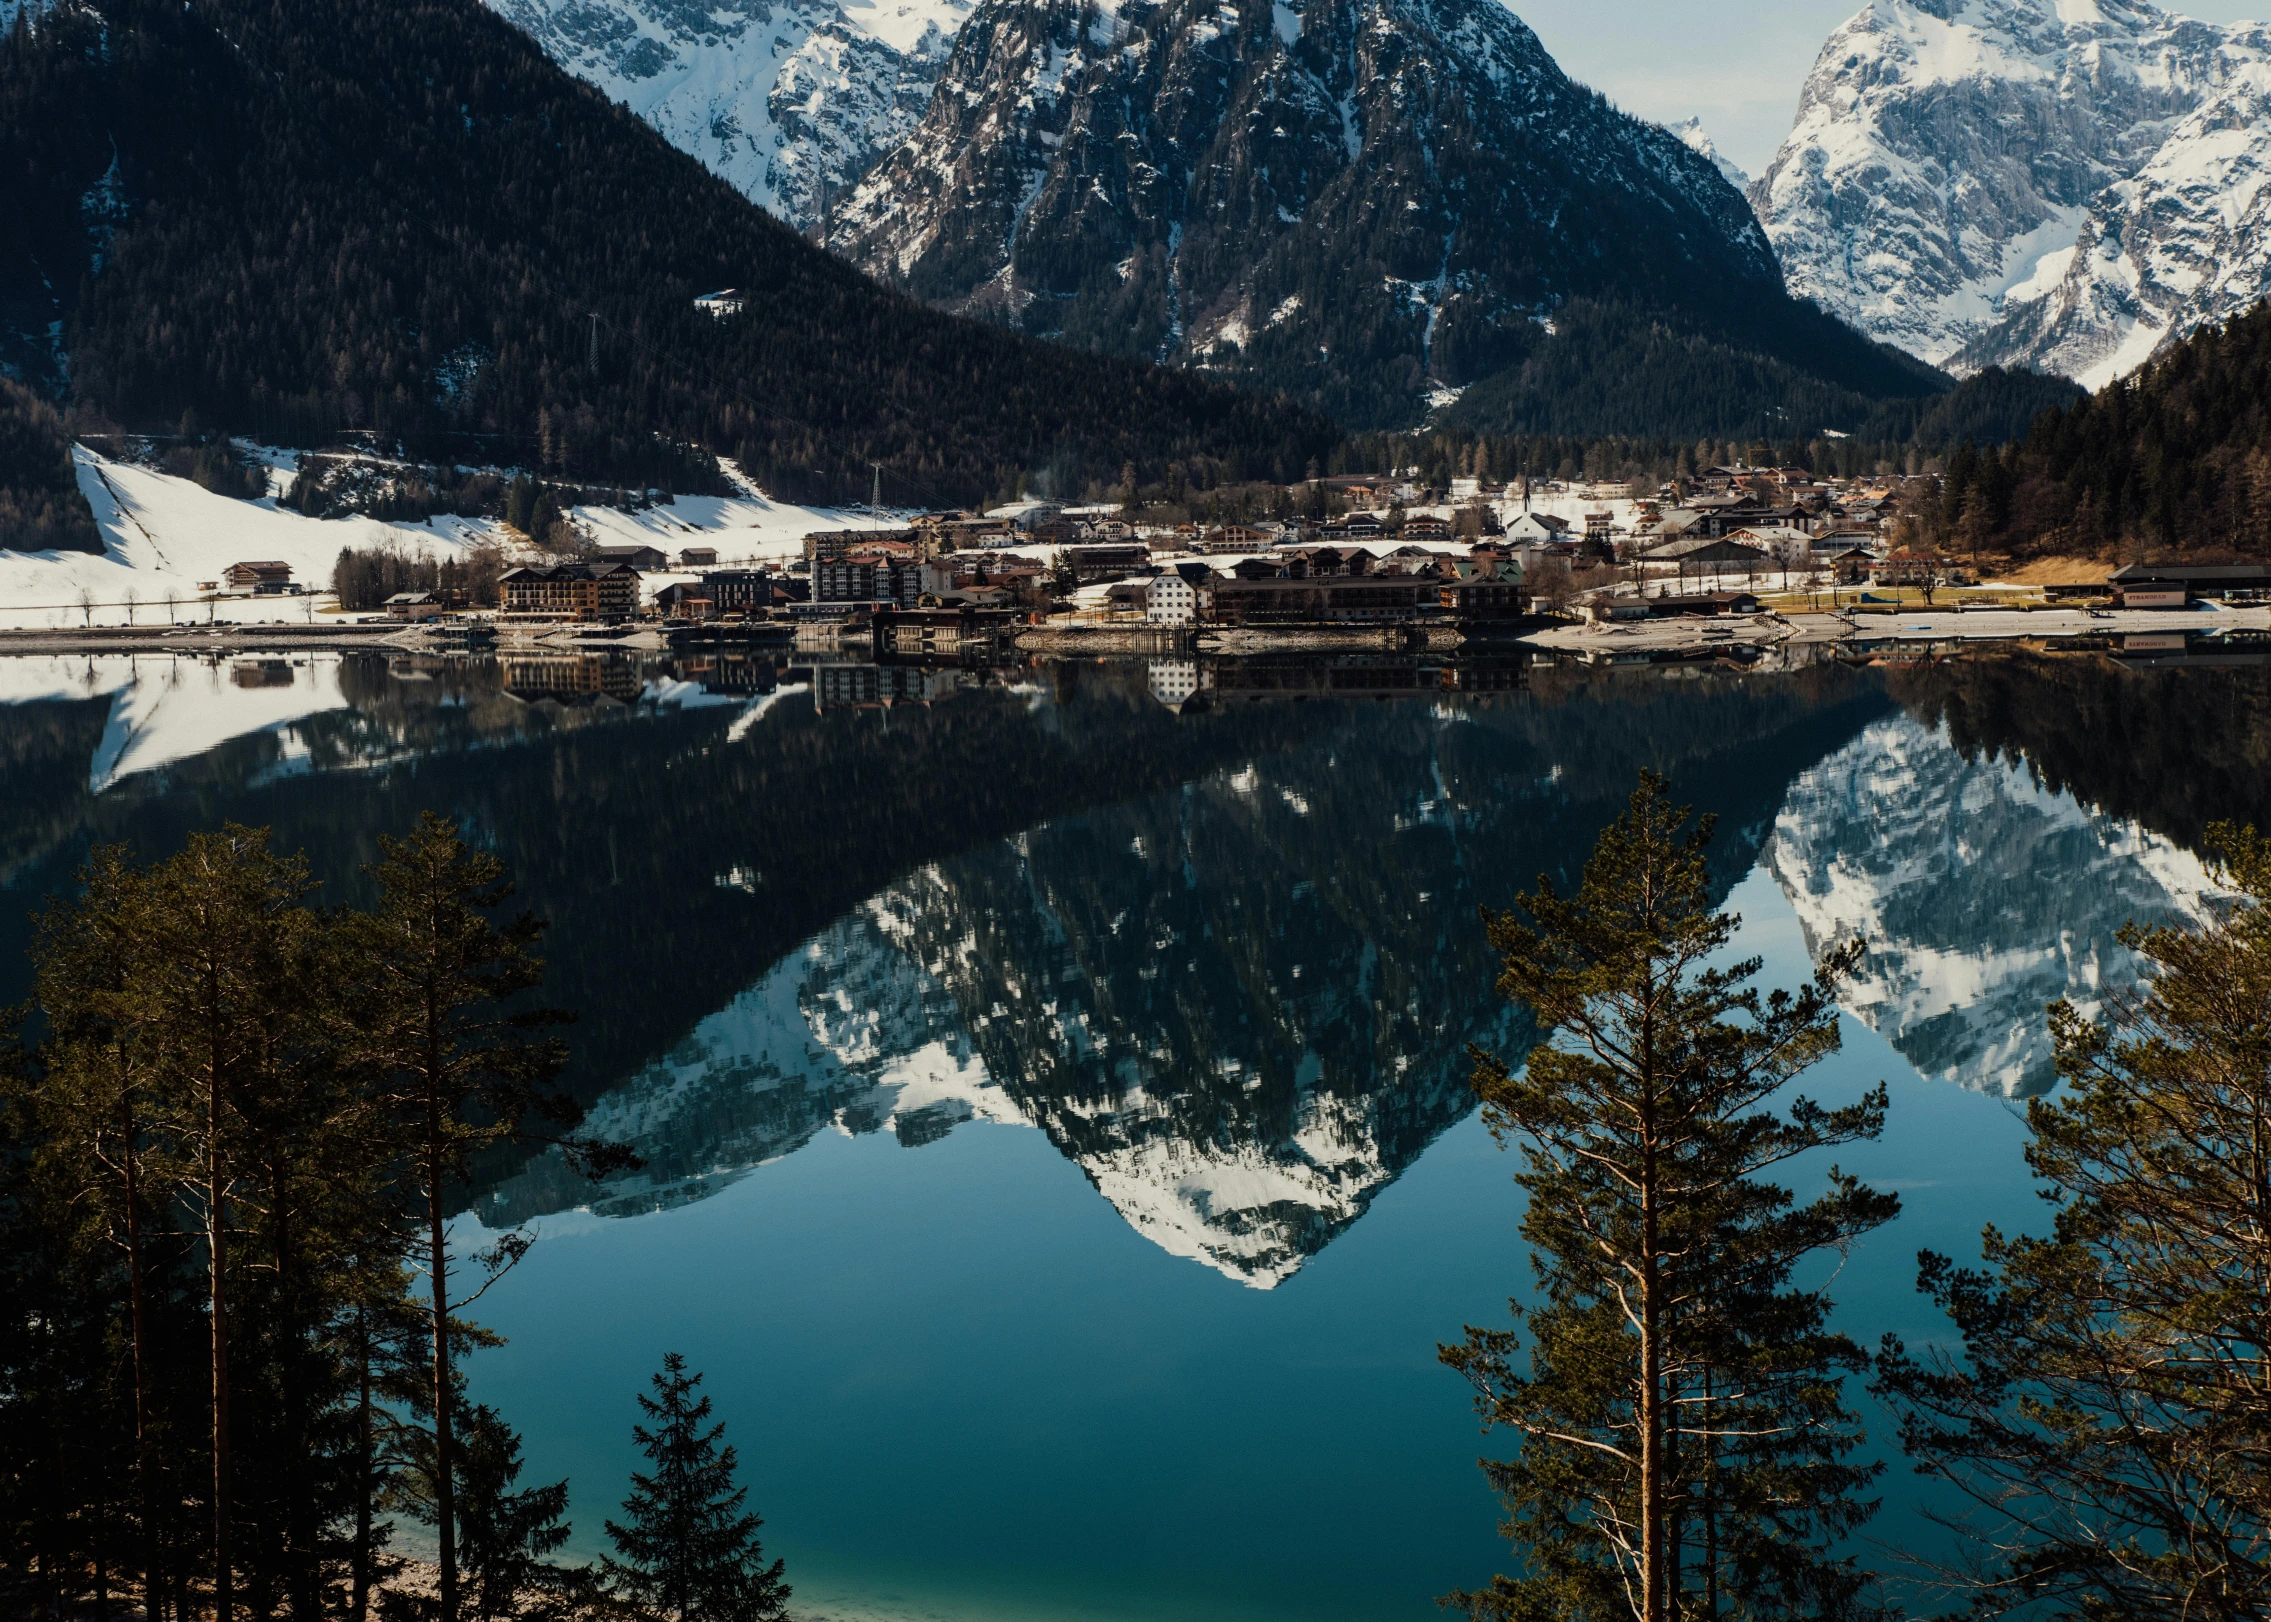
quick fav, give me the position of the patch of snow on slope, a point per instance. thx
(746, 528)
(165, 536)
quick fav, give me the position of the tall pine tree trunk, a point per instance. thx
(217, 1242)
(359, 1577)
(1650, 1414)
(1653, 1586)
(445, 1497)
(137, 1315)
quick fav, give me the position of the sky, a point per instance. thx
(1738, 67)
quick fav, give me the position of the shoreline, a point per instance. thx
(1980, 626)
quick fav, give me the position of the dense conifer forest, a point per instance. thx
(2175, 457)
(40, 509)
(1612, 369)
(1990, 409)
(303, 220)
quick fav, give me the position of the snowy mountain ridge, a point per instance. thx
(790, 101)
(1369, 202)
(2185, 241)
(857, 1032)
(2049, 183)
(1698, 140)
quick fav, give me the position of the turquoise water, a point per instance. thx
(1059, 1160)
(964, 1387)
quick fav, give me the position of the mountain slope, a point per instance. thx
(297, 218)
(1949, 154)
(789, 102)
(1370, 202)
(2186, 240)
(2174, 457)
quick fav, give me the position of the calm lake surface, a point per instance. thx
(1052, 1079)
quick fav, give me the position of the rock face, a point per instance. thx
(789, 100)
(1940, 863)
(1370, 201)
(2186, 240)
(2027, 182)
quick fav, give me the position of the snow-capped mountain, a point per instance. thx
(1941, 863)
(1370, 201)
(789, 100)
(1699, 141)
(2054, 170)
(1240, 1006)
(2186, 240)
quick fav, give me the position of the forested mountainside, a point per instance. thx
(1369, 203)
(2029, 182)
(40, 506)
(2174, 457)
(1608, 369)
(298, 218)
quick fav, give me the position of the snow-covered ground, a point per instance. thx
(747, 528)
(164, 538)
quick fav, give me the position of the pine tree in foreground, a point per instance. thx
(2109, 1418)
(457, 1067)
(1684, 1449)
(689, 1554)
(505, 1531)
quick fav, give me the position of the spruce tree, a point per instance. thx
(509, 1529)
(2109, 1416)
(454, 1068)
(689, 1554)
(229, 987)
(96, 1108)
(505, 1531)
(1682, 1444)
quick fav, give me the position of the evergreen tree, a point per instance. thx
(689, 1554)
(1683, 1448)
(2109, 1416)
(227, 980)
(452, 1067)
(209, 1173)
(505, 1531)
(97, 1105)
(508, 1529)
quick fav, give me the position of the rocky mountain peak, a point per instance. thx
(1951, 156)
(1370, 201)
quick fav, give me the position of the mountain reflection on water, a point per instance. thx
(1984, 897)
(1210, 928)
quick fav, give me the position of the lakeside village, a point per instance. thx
(1376, 553)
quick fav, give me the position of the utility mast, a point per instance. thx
(875, 498)
(591, 360)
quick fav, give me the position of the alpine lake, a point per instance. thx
(1052, 1077)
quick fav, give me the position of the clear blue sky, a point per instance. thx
(1736, 67)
